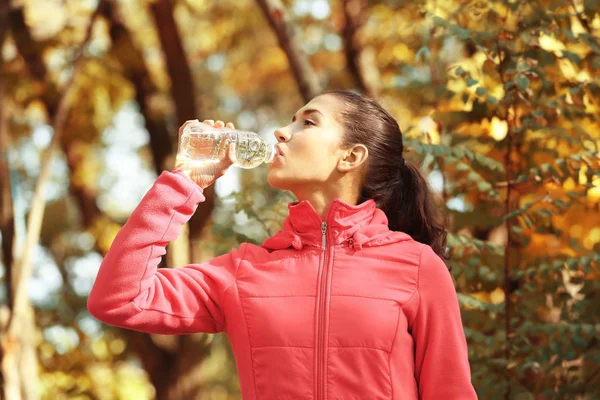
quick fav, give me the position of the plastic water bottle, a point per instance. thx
(200, 144)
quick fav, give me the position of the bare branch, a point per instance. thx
(182, 84)
(136, 71)
(32, 53)
(182, 92)
(306, 78)
(361, 69)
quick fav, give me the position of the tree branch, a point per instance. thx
(182, 84)
(136, 71)
(306, 78)
(38, 203)
(31, 51)
(354, 20)
(182, 92)
(7, 226)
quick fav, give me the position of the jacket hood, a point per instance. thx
(361, 225)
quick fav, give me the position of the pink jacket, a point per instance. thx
(340, 309)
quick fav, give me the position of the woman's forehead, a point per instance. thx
(327, 104)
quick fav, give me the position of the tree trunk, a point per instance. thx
(135, 70)
(186, 352)
(19, 363)
(182, 92)
(306, 78)
(9, 378)
(7, 226)
(18, 352)
(182, 84)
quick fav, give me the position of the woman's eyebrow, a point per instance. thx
(306, 112)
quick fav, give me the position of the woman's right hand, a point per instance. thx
(205, 175)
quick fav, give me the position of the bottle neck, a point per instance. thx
(270, 153)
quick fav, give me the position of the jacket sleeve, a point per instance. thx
(129, 290)
(442, 368)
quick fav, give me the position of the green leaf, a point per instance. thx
(481, 91)
(538, 113)
(437, 151)
(492, 99)
(516, 228)
(462, 167)
(522, 66)
(470, 81)
(572, 263)
(559, 203)
(461, 32)
(423, 52)
(484, 186)
(473, 302)
(439, 21)
(473, 176)
(544, 212)
(571, 56)
(522, 81)
(474, 261)
(458, 152)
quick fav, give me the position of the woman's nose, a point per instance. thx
(282, 135)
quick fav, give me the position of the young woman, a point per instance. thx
(350, 300)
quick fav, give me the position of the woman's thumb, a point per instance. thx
(231, 153)
(228, 160)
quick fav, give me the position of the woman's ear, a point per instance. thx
(353, 158)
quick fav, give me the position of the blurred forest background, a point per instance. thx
(498, 99)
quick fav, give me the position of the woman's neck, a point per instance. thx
(322, 199)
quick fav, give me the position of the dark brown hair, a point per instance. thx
(397, 186)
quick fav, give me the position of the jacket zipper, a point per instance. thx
(321, 322)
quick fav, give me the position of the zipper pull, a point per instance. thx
(323, 237)
(351, 243)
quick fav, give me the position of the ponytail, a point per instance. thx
(414, 211)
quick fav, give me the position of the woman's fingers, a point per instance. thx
(218, 123)
(186, 123)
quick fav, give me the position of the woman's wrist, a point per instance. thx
(180, 171)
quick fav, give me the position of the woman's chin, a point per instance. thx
(277, 179)
(274, 179)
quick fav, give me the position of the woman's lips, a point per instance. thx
(278, 155)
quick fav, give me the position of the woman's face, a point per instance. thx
(309, 146)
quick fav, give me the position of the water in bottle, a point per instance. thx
(200, 144)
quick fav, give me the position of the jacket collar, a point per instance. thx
(358, 225)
